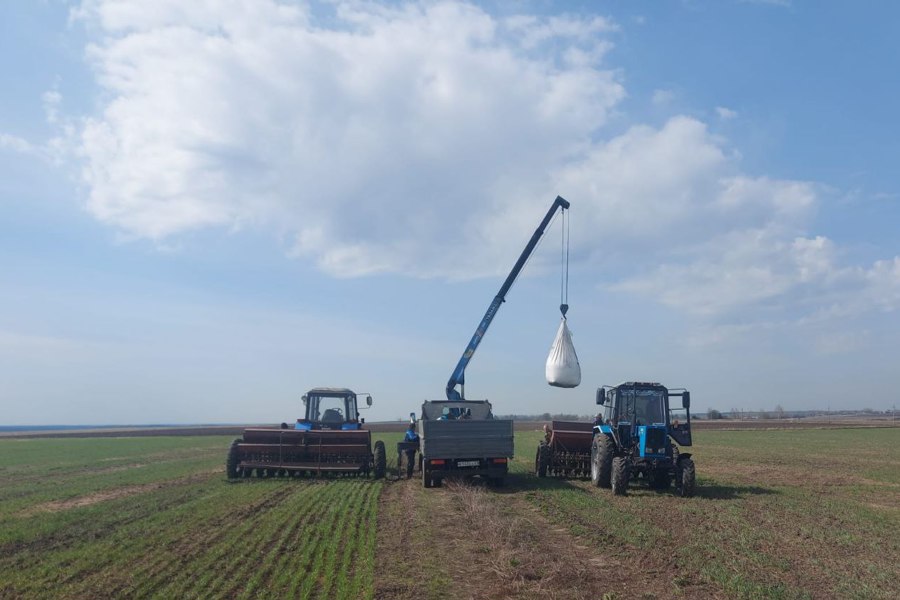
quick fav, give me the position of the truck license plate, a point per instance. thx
(467, 463)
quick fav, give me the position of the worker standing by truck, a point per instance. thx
(410, 450)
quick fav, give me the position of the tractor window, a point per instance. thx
(324, 409)
(642, 407)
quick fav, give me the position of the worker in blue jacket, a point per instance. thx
(411, 436)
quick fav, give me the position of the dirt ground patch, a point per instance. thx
(113, 494)
(469, 541)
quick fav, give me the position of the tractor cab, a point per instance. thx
(639, 414)
(331, 408)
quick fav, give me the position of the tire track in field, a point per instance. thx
(302, 510)
(155, 573)
(67, 474)
(20, 550)
(341, 542)
(348, 586)
(318, 555)
(288, 564)
(214, 561)
(295, 573)
(64, 565)
(100, 577)
(114, 494)
(466, 541)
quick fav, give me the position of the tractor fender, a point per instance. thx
(603, 429)
(684, 456)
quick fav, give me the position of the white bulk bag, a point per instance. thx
(563, 369)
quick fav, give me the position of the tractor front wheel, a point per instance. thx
(619, 476)
(380, 460)
(601, 461)
(686, 477)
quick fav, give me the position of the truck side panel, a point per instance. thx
(466, 439)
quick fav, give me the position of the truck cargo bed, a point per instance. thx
(466, 438)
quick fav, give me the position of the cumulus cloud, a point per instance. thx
(366, 141)
(426, 139)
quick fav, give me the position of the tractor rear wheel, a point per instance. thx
(619, 476)
(601, 461)
(380, 460)
(542, 460)
(686, 477)
(231, 464)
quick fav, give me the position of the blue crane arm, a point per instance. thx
(458, 378)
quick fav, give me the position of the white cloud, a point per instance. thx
(726, 113)
(662, 97)
(17, 144)
(426, 139)
(395, 124)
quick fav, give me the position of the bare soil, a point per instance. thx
(115, 493)
(469, 541)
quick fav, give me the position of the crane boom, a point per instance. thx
(458, 378)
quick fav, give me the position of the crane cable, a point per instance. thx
(564, 264)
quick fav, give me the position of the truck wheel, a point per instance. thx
(601, 462)
(231, 464)
(426, 478)
(380, 460)
(619, 476)
(686, 478)
(542, 460)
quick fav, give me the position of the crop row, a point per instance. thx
(182, 531)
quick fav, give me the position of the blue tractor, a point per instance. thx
(635, 436)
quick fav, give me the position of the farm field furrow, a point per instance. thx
(173, 526)
(778, 514)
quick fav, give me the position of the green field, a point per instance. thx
(778, 514)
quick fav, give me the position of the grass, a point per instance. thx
(155, 517)
(778, 514)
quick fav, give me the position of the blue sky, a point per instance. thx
(208, 210)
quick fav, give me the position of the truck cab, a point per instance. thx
(331, 408)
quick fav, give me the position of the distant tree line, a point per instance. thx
(546, 417)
